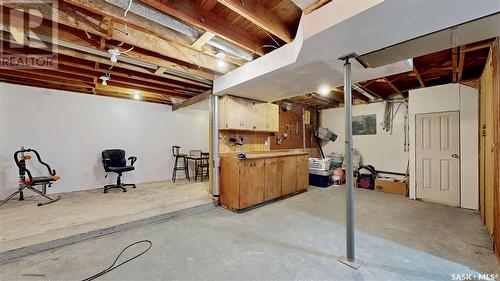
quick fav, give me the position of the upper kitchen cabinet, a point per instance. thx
(243, 114)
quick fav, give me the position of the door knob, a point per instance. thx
(454, 155)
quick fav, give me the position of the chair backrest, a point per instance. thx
(195, 153)
(113, 158)
(175, 150)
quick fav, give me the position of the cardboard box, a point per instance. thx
(395, 187)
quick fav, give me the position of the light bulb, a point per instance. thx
(137, 96)
(114, 58)
(221, 63)
(104, 83)
(324, 89)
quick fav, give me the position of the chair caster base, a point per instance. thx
(122, 186)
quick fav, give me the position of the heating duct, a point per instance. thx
(172, 23)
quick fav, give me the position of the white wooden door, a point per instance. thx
(438, 157)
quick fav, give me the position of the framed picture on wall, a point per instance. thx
(364, 125)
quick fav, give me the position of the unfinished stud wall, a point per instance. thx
(70, 130)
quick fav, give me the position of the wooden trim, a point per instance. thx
(495, 51)
(191, 101)
(461, 62)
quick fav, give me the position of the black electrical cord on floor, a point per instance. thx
(112, 267)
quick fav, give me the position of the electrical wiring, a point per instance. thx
(113, 266)
(128, 8)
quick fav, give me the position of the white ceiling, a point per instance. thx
(341, 27)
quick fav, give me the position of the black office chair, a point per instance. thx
(114, 162)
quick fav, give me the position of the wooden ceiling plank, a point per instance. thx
(260, 16)
(208, 21)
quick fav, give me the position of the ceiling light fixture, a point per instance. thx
(105, 79)
(324, 89)
(221, 63)
(114, 54)
(137, 96)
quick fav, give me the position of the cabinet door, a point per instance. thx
(302, 172)
(236, 114)
(272, 117)
(252, 182)
(289, 175)
(259, 112)
(230, 183)
(272, 178)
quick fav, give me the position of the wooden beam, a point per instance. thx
(133, 37)
(260, 16)
(417, 74)
(202, 40)
(204, 19)
(315, 6)
(191, 101)
(461, 62)
(454, 59)
(392, 86)
(475, 47)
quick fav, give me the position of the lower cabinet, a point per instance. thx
(251, 182)
(248, 182)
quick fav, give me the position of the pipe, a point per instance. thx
(214, 106)
(172, 23)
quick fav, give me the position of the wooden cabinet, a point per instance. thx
(243, 114)
(251, 182)
(273, 170)
(289, 180)
(248, 182)
(302, 172)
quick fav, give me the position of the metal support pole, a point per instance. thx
(350, 258)
(215, 143)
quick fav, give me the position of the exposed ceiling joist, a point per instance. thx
(454, 60)
(373, 93)
(204, 19)
(417, 74)
(260, 16)
(315, 6)
(392, 85)
(191, 101)
(461, 62)
(129, 35)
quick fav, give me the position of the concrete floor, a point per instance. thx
(23, 223)
(297, 238)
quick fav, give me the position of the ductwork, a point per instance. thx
(172, 23)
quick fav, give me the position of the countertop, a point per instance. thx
(260, 155)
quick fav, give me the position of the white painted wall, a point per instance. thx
(451, 97)
(383, 150)
(70, 130)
